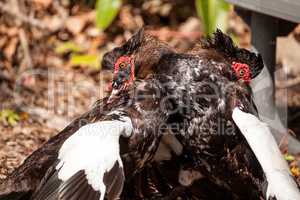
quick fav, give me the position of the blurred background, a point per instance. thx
(51, 51)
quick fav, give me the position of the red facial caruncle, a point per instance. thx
(122, 63)
(122, 66)
(242, 71)
(123, 76)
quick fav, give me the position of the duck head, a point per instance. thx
(245, 65)
(135, 59)
(123, 76)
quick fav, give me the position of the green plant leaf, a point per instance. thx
(213, 14)
(223, 9)
(66, 47)
(106, 11)
(86, 60)
(207, 14)
(9, 116)
(289, 157)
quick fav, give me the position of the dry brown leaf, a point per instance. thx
(295, 171)
(128, 20)
(44, 3)
(53, 22)
(192, 24)
(13, 31)
(3, 41)
(24, 116)
(10, 49)
(75, 24)
(93, 32)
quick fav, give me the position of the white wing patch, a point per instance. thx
(95, 149)
(260, 139)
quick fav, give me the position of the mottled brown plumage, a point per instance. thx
(146, 51)
(137, 151)
(204, 89)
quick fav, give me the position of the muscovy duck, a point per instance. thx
(25, 179)
(206, 84)
(217, 74)
(182, 115)
(143, 49)
(89, 163)
(84, 160)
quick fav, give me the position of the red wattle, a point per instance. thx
(237, 67)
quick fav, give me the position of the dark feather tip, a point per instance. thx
(109, 59)
(224, 45)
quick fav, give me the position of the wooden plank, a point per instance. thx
(264, 34)
(284, 9)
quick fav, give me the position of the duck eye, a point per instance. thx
(242, 72)
(122, 65)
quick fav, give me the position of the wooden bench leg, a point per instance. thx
(264, 32)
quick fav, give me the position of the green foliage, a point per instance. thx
(106, 11)
(86, 60)
(66, 47)
(9, 116)
(289, 157)
(213, 13)
(78, 55)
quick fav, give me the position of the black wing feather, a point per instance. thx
(70, 188)
(114, 181)
(78, 191)
(48, 189)
(76, 186)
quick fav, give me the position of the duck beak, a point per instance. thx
(116, 90)
(113, 95)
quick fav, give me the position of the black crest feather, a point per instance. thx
(224, 45)
(135, 41)
(128, 48)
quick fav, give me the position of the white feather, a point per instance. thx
(94, 148)
(259, 137)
